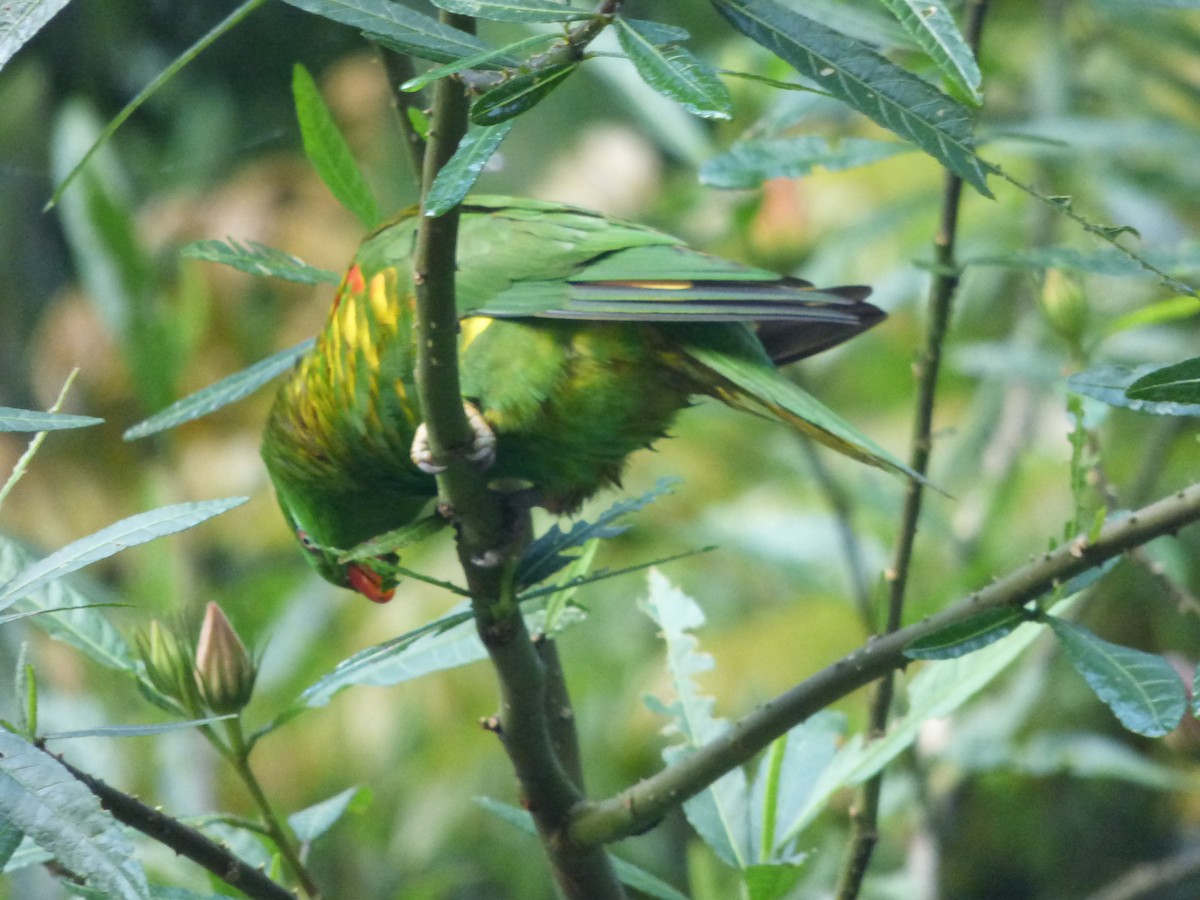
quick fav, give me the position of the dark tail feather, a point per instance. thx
(789, 340)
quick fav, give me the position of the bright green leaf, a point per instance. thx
(514, 10)
(12, 419)
(1108, 384)
(40, 797)
(675, 72)
(1159, 313)
(747, 164)
(309, 824)
(1177, 383)
(227, 390)
(771, 881)
(1142, 689)
(868, 83)
(257, 259)
(477, 61)
(126, 533)
(462, 170)
(519, 94)
(327, 150)
(933, 27)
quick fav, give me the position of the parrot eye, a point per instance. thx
(306, 542)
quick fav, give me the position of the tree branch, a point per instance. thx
(639, 806)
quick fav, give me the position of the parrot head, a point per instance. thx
(355, 575)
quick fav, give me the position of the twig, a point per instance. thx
(637, 807)
(399, 69)
(187, 842)
(864, 834)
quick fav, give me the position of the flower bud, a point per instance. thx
(225, 673)
(1065, 305)
(168, 662)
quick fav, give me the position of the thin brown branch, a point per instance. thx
(187, 842)
(639, 806)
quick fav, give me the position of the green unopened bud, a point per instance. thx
(168, 662)
(225, 673)
(1065, 305)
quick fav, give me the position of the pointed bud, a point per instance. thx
(168, 662)
(1065, 305)
(225, 673)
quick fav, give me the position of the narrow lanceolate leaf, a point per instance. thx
(227, 390)
(747, 164)
(394, 24)
(933, 27)
(460, 173)
(1178, 383)
(1109, 384)
(20, 20)
(519, 94)
(309, 824)
(12, 419)
(328, 151)
(1143, 690)
(514, 10)
(40, 797)
(674, 72)
(864, 80)
(969, 635)
(258, 259)
(104, 543)
(477, 61)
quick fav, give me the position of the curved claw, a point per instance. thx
(482, 451)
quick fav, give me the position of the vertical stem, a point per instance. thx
(865, 833)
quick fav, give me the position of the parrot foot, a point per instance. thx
(481, 452)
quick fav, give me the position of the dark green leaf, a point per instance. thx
(41, 798)
(971, 634)
(867, 82)
(327, 150)
(394, 541)
(933, 27)
(674, 72)
(10, 839)
(13, 419)
(460, 173)
(257, 259)
(1178, 383)
(1142, 689)
(659, 33)
(519, 94)
(514, 10)
(227, 390)
(547, 554)
(398, 27)
(116, 537)
(747, 164)
(477, 61)
(1109, 384)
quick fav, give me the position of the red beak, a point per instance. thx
(369, 583)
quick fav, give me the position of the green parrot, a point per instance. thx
(581, 338)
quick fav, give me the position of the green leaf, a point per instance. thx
(1159, 313)
(227, 390)
(126, 533)
(1177, 383)
(675, 72)
(397, 539)
(456, 178)
(548, 554)
(519, 94)
(969, 635)
(747, 164)
(629, 874)
(770, 882)
(10, 839)
(867, 82)
(123, 731)
(659, 33)
(933, 27)
(477, 61)
(40, 797)
(720, 813)
(1108, 384)
(75, 620)
(309, 824)
(13, 419)
(20, 20)
(226, 24)
(257, 259)
(1142, 689)
(327, 150)
(396, 26)
(514, 10)
(1098, 262)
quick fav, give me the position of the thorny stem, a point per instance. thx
(864, 833)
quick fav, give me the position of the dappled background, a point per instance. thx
(1034, 791)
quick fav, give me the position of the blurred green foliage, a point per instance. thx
(1096, 100)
